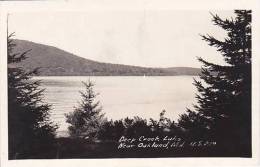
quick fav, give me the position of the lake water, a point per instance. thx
(121, 96)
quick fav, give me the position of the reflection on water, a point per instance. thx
(121, 97)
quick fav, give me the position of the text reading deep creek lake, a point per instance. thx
(159, 142)
(121, 96)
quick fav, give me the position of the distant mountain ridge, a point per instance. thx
(56, 62)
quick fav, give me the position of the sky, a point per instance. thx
(149, 38)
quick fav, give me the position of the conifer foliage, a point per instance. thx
(223, 110)
(29, 125)
(86, 120)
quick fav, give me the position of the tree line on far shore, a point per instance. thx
(222, 112)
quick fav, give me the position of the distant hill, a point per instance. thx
(56, 62)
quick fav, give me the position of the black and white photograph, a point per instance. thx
(138, 84)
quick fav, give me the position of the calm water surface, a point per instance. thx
(121, 96)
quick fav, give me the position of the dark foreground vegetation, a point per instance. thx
(68, 148)
(218, 126)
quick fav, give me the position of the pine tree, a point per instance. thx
(29, 125)
(223, 110)
(86, 120)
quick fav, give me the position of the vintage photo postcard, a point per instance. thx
(133, 84)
